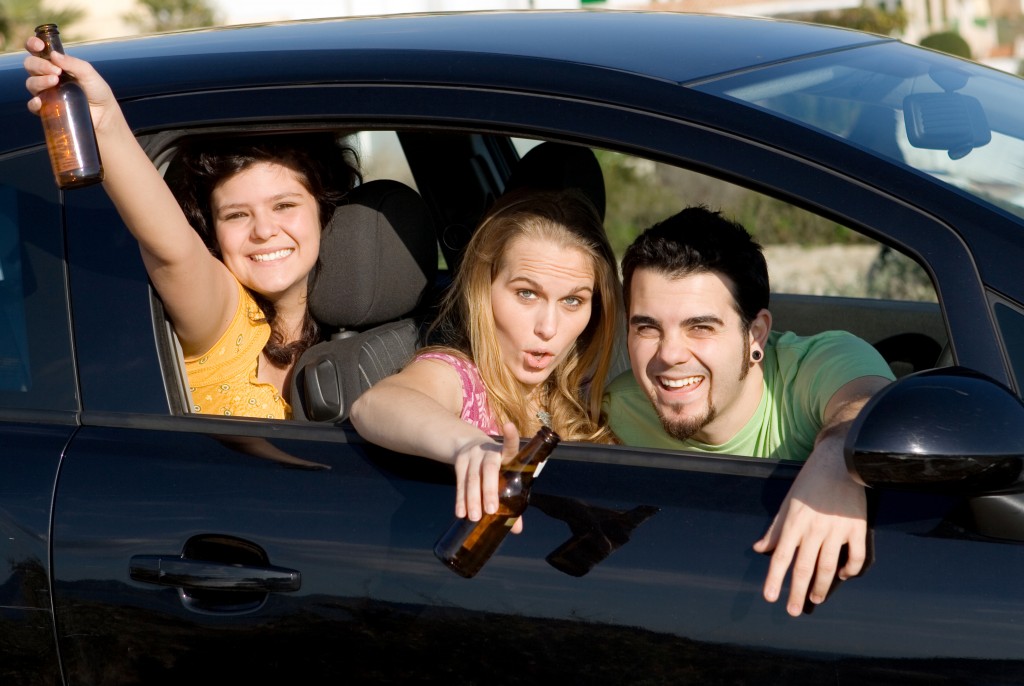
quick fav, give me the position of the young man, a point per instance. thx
(710, 375)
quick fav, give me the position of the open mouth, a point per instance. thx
(685, 383)
(271, 256)
(538, 359)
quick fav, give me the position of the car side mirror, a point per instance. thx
(948, 430)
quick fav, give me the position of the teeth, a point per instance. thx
(681, 383)
(270, 256)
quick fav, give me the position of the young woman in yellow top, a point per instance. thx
(234, 280)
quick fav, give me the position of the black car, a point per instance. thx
(144, 544)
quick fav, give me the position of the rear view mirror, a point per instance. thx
(948, 430)
(946, 121)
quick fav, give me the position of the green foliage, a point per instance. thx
(19, 18)
(895, 276)
(642, 193)
(949, 42)
(863, 18)
(171, 15)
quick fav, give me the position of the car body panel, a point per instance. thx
(636, 565)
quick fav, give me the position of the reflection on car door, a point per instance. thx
(639, 561)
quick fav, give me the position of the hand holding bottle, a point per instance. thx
(467, 545)
(44, 73)
(477, 468)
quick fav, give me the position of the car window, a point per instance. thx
(824, 275)
(36, 371)
(1011, 323)
(806, 253)
(381, 157)
(952, 119)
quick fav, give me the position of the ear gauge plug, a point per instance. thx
(756, 356)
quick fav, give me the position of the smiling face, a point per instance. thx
(541, 299)
(690, 353)
(267, 225)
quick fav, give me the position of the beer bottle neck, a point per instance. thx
(534, 452)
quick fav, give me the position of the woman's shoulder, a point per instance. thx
(450, 356)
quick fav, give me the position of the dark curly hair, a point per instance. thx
(698, 240)
(326, 169)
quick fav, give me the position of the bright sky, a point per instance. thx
(246, 11)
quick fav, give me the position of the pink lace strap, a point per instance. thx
(475, 408)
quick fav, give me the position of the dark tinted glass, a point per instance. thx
(1011, 324)
(36, 371)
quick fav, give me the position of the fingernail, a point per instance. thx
(771, 595)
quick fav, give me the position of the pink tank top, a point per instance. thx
(475, 408)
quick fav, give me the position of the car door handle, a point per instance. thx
(168, 570)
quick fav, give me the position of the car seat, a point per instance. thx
(556, 166)
(378, 256)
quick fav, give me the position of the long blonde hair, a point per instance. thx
(574, 390)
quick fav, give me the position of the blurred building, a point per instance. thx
(977, 21)
(992, 28)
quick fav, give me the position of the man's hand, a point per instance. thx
(824, 511)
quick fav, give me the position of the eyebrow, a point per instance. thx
(275, 198)
(643, 319)
(537, 287)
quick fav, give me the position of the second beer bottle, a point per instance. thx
(467, 545)
(67, 124)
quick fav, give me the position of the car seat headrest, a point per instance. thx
(378, 257)
(557, 166)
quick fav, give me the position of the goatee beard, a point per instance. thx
(685, 428)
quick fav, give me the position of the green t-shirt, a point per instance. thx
(801, 374)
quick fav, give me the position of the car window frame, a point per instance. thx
(676, 140)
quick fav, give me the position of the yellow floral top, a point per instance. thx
(223, 381)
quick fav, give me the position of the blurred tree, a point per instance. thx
(863, 18)
(171, 15)
(948, 41)
(19, 18)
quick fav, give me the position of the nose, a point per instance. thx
(264, 226)
(546, 325)
(674, 349)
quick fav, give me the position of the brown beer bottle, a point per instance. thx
(467, 545)
(67, 124)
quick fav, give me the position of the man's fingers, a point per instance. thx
(804, 564)
(767, 542)
(777, 569)
(828, 562)
(856, 556)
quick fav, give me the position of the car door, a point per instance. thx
(38, 405)
(198, 547)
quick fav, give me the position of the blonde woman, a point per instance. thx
(529, 325)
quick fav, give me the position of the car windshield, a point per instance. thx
(955, 120)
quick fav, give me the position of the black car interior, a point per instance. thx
(378, 264)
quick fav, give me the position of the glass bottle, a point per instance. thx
(467, 545)
(67, 124)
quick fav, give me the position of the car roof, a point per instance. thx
(674, 47)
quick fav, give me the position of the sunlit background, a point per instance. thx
(988, 31)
